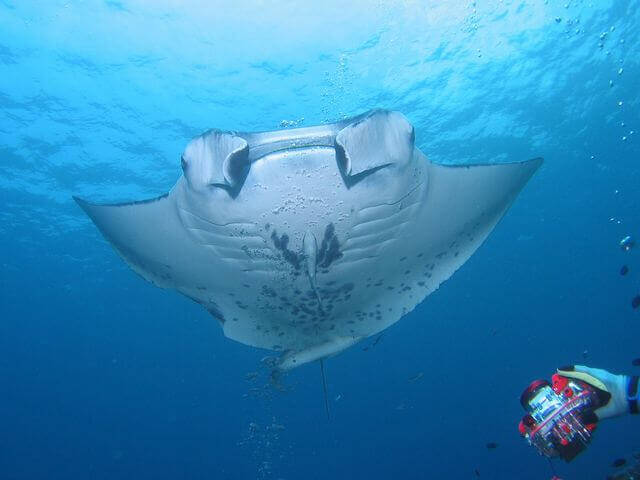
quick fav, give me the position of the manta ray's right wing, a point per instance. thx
(147, 235)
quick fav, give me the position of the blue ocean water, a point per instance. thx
(104, 376)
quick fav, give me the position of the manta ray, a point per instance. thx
(306, 241)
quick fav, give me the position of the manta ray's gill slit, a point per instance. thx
(195, 217)
(378, 228)
(374, 240)
(417, 188)
(233, 256)
(228, 235)
(386, 217)
(235, 241)
(372, 243)
(400, 204)
(232, 252)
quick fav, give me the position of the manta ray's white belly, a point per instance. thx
(272, 297)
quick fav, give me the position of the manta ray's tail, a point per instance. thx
(324, 389)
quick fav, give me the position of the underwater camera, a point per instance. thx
(560, 418)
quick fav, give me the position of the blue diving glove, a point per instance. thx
(618, 392)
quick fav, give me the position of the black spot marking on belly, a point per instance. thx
(268, 291)
(282, 244)
(347, 287)
(329, 248)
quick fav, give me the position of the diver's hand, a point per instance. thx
(612, 389)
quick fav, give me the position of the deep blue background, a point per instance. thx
(104, 376)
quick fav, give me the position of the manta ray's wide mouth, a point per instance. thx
(284, 144)
(264, 143)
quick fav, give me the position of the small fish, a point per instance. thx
(476, 472)
(338, 397)
(585, 354)
(635, 362)
(635, 302)
(627, 243)
(417, 376)
(618, 462)
(251, 376)
(492, 445)
(624, 270)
